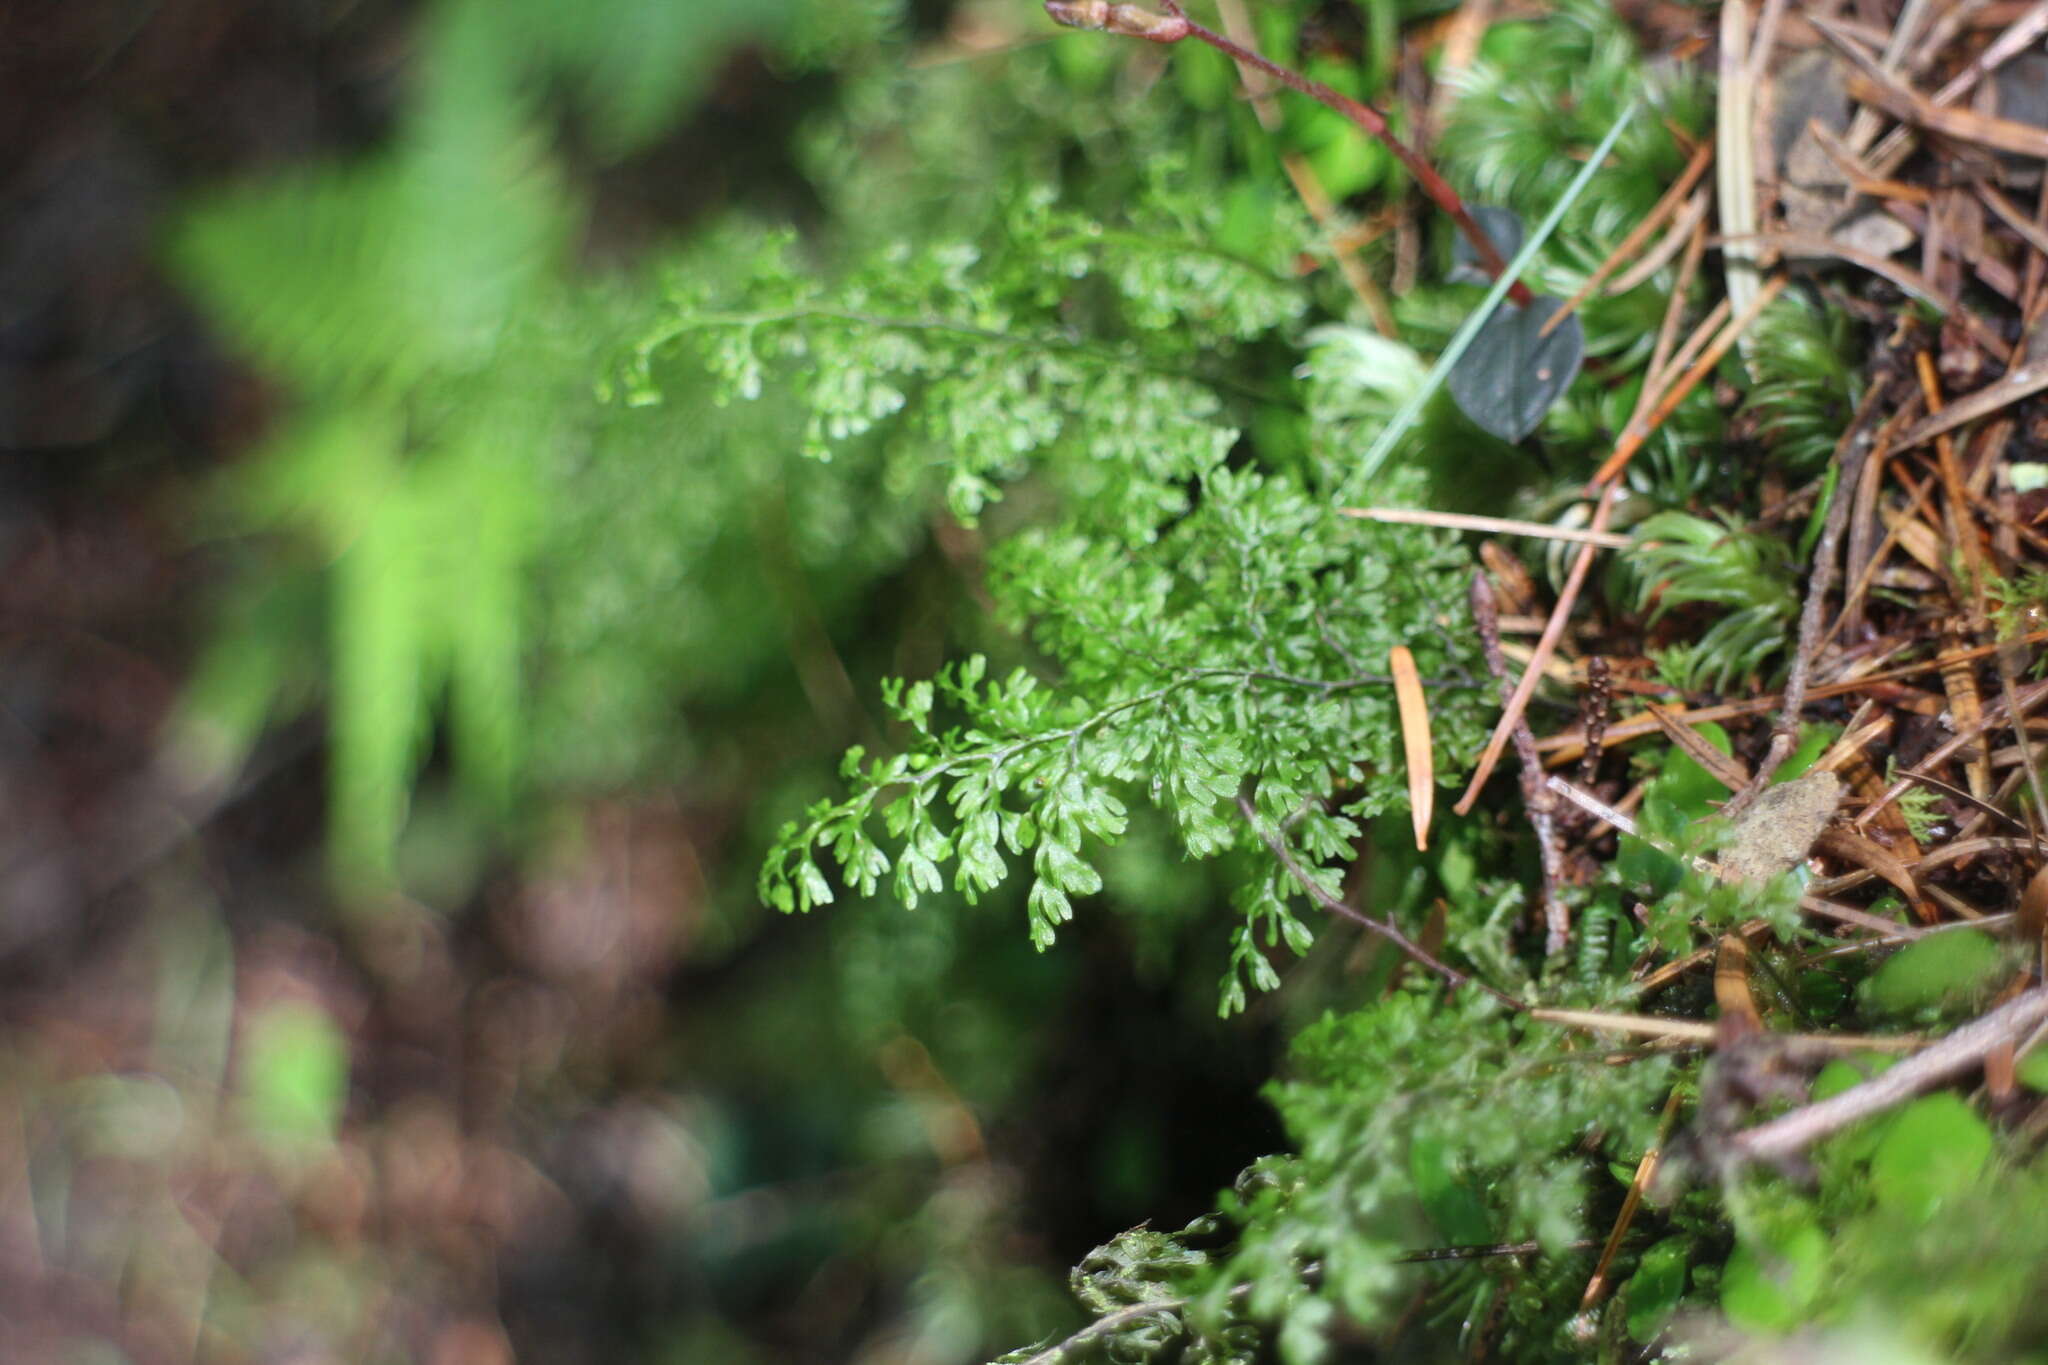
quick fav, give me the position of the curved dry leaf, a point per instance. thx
(1728, 771)
(1739, 1014)
(1414, 740)
(1852, 847)
(2034, 911)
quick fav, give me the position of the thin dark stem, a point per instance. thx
(1386, 929)
(1480, 1253)
(1375, 124)
(1851, 454)
(1537, 797)
(1130, 21)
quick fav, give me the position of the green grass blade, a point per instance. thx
(1412, 409)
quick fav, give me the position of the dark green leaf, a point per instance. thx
(1510, 375)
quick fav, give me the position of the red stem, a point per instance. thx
(1374, 123)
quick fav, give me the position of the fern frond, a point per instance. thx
(978, 350)
(1219, 657)
(1421, 1123)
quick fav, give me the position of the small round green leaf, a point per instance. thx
(1656, 1287)
(1933, 971)
(1771, 1288)
(1933, 1150)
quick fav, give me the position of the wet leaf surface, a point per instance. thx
(1512, 373)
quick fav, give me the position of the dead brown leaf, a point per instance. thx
(1415, 740)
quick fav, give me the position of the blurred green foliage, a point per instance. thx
(474, 540)
(530, 533)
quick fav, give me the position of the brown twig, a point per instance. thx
(1868, 514)
(1705, 1034)
(1317, 200)
(2023, 382)
(1661, 361)
(1568, 746)
(1637, 432)
(1851, 453)
(1536, 797)
(1518, 701)
(1785, 1137)
(1691, 218)
(2016, 707)
(1646, 1171)
(1817, 244)
(1171, 27)
(1631, 245)
(1962, 528)
(1735, 159)
(1307, 187)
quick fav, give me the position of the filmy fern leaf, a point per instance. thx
(1223, 657)
(1104, 354)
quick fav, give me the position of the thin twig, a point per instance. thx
(1411, 408)
(1817, 244)
(1375, 125)
(1171, 27)
(1734, 164)
(1958, 1052)
(1591, 804)
(1705, 1034)
(2015, 707)
(1386, 929)
(1317, 200)
(1536, 797)
(1851, 453)
(1815, 905)
(1863, 563)
(1632, 245)
(1690, 219)
(1637, 432)
(1646, 1170)
(1518, 702)
(1962, 527)
(1462, 521)
(1238, 24)
(1569, 745)
(2023, 382)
